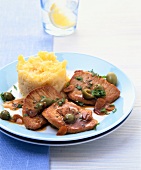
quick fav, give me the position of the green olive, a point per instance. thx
(47, 101)
(111, 78)
(69, 118)
(5, 115)
(8, 96)
(87, 94)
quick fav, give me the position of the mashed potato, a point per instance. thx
(41, 70)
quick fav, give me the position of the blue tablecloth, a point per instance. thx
(17, 155)
(21, 33)
(21, 30)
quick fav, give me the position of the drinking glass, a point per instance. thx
(59, 17)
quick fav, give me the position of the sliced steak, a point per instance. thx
(57, 116)
(82, 80)
(31, 112)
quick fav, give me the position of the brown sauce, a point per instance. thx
(14, 104)
(105, 111)
(17, 119)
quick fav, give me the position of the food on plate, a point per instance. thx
(69, 117)
(5, 115)
(43, 69)
(111, 78)
(14, 104)
(34, 123)
(34, 103)
(16, 118)
(87, 87)
(49, 98)
(103, 108)
(7, 96)
(45, 105)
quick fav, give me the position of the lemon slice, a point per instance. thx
(61, 17)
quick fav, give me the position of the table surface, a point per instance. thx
(110, 30)
(107, 29)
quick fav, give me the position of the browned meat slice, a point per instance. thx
(69, 118)
(34, 123)
(34, 103)
(86, 80)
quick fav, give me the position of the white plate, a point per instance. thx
(124, 104)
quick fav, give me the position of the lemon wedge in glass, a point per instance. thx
(62, 17)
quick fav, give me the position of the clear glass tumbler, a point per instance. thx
(59, 17)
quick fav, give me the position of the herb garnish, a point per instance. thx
(78, 87)
(103, 110)
(15, 87)
(79, 78)
(25, 115)
(19, 106)
(111, 105)
(61, 102)
(67, 84)
(103, 76)
(79, 103)
(42, 97)
(2, 97)
(96, 126)
(93, 73)
(114, 110)
(98, 93)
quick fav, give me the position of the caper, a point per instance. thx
(5, 115)
(69, 118)
(98, 87)
(39, 106)
(47, 101)
(8, 96)
(111, 78)
(87, 94)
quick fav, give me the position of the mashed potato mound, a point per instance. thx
(41, 70)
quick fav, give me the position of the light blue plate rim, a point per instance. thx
(76, 61)
(64, 143)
